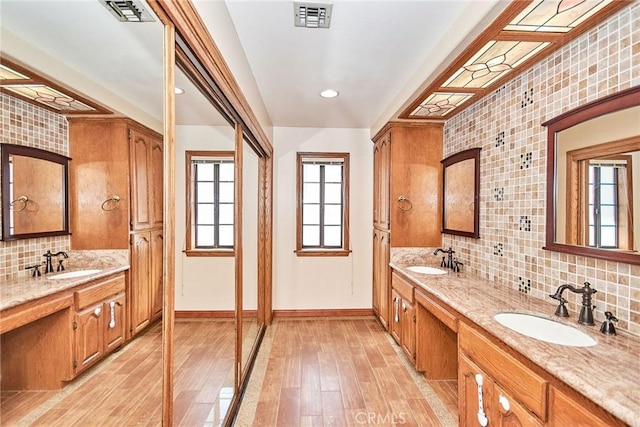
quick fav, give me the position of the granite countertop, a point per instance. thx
(19, 291)
(608, 373)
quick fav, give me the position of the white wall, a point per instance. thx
(202, 283)
(322, 282)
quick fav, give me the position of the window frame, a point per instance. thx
(190, 249)
(345, 250)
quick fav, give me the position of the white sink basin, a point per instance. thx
(73, 274)
(423, 269)
(545, 329)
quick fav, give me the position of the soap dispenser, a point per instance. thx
(607, 326)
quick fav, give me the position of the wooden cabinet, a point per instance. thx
(436, 338)
(403, 322)
(381, 276)
(483, 402)
(407, 182)
(157, 246)
(99, 324)
(492, 382)
(569, 408)
(120, 159)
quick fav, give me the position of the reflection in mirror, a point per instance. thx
(461, 186)
(205, 327)
(596, 151)
(34, 193)
(250, 326)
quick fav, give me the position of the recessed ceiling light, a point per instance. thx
(178, 90)
(329, 93)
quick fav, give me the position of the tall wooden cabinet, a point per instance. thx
(407, 182)
(116, 190)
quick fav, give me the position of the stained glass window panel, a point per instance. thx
(555, 16)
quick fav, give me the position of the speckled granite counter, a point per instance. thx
(19, 291)
(608, 373)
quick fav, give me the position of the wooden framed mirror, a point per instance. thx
(461, 193)
(35, 199)
(593, 161)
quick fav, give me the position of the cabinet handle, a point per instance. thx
(396, 303)
(482, 417)
(97, 311)
(504, 402)
(112, 310)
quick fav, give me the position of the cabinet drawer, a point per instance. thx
(402, 287)
(98, 292)
(523, 384)
(444, 315)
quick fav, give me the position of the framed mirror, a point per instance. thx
(593, 155)
(35, 200)
(461, 193)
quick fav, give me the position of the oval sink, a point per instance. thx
(544, 329)
(73, 274)
(423, 269)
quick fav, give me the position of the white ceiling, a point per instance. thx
(369, 53)
(377, 53)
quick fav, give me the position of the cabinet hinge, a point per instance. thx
(75, 364)
(414, 318)
(414, 355)
(75, 325)
(130, 135)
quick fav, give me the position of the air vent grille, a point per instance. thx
(128, 10)
(312, 15)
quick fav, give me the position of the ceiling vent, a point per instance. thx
(312, 15)
(128, 10)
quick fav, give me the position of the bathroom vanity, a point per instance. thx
(55, 326)
(505, 377)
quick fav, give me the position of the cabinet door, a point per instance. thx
(510, 413)
(475, 389)
(140, 147)
(114, 323)
(381, 157)
(395, 323)
(408, 329)
(157, 187)
(381, 276)
(140, 295)
(89, 337)
(156, 273)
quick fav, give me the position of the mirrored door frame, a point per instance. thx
(188, 44)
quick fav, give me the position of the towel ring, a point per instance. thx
(404, 204)
(21, 199)
(111, 204)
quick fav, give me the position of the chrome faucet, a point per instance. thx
(586, 312)
(449, 263)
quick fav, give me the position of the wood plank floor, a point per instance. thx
(340, 372)
(309, 372)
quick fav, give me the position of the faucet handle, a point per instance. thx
(607, 327)
(35, 268)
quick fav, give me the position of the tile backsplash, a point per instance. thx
(25, 124)
(507, 126)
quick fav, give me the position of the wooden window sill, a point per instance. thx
(322, 252)
(209, 252)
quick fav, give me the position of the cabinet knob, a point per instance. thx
(97, 311)
(504, 402)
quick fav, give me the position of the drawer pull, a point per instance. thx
(482, 417)
(504, 402)
(97, 311)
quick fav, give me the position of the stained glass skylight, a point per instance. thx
(50, 97)
(555, 16)
(534, 29)
(7, 73)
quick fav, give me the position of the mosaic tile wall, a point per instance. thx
(507, 125)
(22, 123)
